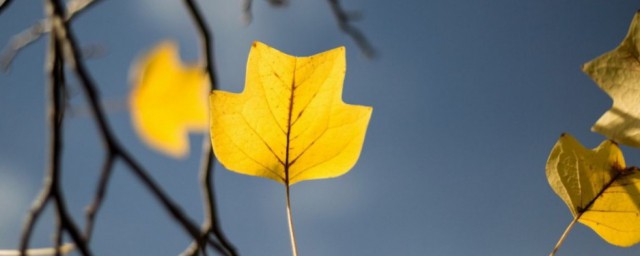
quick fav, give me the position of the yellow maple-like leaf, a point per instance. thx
(618, 74)
(168, 100)
(598, 189)
(290, 123)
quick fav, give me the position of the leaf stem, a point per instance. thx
(292, 233)
(564, 235)
(586, 208)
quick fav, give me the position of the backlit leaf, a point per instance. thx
(618, 74)
(290, 123)
(598, 189)
(168, 100)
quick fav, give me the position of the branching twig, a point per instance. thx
(211, 223)
(67, 46)
(101, 191)
(51, 190)
(344, 22)
(343, 17)
(246, 9)
(32, 34)
(64, 50)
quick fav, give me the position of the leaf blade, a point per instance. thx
(598, 189)
(289, 124)
(618, 74)
(168, 100)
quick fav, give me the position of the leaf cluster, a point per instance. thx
(597, 186)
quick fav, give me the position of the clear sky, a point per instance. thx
(469, 97)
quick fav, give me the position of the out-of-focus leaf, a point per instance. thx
(598, 189)
(168, 100)
(290, 123)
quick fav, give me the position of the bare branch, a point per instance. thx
(343, 18)
(34, 215)
(72, 56)
(278, 3)
(211, 224)
(344, 22)
(51, 190)
(4, 5)
(32, 34)
(246, 9)
(101, 190)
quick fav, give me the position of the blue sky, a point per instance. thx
(469, 97)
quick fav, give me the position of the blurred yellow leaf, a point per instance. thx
(168, 100)
(618, 74)
(598, 189)
(290, 123)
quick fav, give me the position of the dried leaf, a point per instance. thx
(168, 100)
(618, 74)
(290, 123)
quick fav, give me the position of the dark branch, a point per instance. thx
(246, 8)
(52, 190)
(34, 215)
(4, 5)
(206, 41)
(343, 18)
(101, 190)
(72, 57)
(344, 22)
(57, 109)
(211, 224)
(32, 34)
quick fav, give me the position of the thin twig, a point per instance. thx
(207, 191)
(246, 10)
(211, 224)
(343, 18)
(247, 4)
(68, 224)
(57, 238)
(101, 190)
(344, 22)
(56, 123)
(4, 4)
(33, 33)
(57, 109)
(34, 215)
(51, 190)
(206, 41)
(72, 57)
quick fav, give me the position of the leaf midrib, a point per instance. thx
(287, 149)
